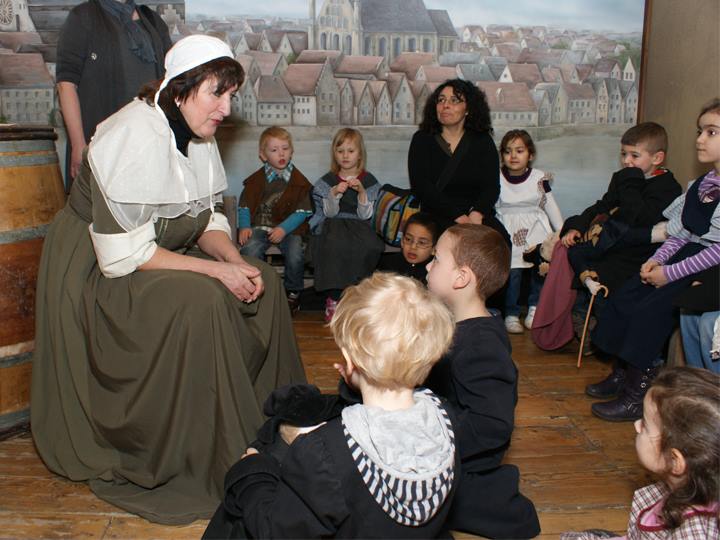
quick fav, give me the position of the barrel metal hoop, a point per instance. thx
(22, 235)
(14, 419)
(15, 359)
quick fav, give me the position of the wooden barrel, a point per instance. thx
(31, 192)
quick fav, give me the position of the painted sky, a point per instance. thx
(613, 15)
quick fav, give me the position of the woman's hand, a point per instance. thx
(476, 217)
(244, 236)
(462, 219)
(276, 235)
(241, 279)
(570, 238)
(76, 156)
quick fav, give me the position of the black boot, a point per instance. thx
(628, 406)
(611, 385)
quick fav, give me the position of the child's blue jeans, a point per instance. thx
(292, 249)
(697, 334)
(512, 294)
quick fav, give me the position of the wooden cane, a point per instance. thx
(605, 291)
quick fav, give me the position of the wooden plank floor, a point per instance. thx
(579, 471)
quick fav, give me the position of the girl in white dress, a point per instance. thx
(527, 209)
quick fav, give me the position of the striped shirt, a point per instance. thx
(708, 189)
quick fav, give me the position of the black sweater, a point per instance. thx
(317, 492)
(639, 202)
(475, 184)
(479, 380)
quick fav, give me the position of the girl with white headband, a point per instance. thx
(156, 342)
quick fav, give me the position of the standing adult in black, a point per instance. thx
(107, 50)
(453, 162)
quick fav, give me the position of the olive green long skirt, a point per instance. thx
(150, 386)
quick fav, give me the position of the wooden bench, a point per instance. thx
(273, 256)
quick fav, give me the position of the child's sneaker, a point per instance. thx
(512, 325)
(530, 317)
(330, 307)
(293, 299)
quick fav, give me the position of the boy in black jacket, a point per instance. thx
(386, 468)
(479, 380)
(611, 239)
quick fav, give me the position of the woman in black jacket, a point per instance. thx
(453, 162)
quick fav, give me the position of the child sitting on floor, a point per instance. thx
(677, 440)
(479, 380)
(418, 242)
(386, 467)
(345, 247)
(527, 209)
(639, 318)
(274, 205)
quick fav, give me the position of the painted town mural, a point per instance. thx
(313, 66)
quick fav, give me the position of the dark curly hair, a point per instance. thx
(478, 111)
(688, 403)
(226, 71)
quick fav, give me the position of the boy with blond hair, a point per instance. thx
(274, 205)
(386, 467)
(479, 380)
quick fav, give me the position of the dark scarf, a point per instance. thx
(140, 43)
(181, 130)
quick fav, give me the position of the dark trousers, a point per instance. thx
(638, 319)
(490, 504)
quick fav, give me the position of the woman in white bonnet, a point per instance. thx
(156, 342)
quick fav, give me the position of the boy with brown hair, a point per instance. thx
(274, 205)
(611, 238)
(479, 380)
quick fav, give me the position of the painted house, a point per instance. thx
(402, 98)
(316, 96)
(362, 67)
(27, 91)
(249, 41)
(511, 104)
(383, 103)
(601, 92)
(608, 67)
(315, 56)
(250, 67)
(630, 101)
(474, 72)
(629, 73)
(521, 73)
(558, 101)
(270, 63)
(544, 107)
(347, 104)
(363, 102)
(410, 63)
(582, 103)
(421, 93)
(274, 102)
(435, 73)
(248, 99)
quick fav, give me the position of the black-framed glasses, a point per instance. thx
(453, 100)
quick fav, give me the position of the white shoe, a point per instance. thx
(512, 325)
(530, 317)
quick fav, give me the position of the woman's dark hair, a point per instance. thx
(688, 404)
(478, 111)
(225, 70)
(425, 220)
(521, 134)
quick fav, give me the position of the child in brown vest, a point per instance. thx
(274, 205)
